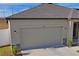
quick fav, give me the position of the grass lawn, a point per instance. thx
(6, 51)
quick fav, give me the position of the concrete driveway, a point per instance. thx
(63, 51)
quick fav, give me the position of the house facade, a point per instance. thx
(44, 26)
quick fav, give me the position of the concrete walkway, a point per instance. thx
(63, 51)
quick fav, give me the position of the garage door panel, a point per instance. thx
(40, 37)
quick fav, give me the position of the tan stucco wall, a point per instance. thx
(71, 23)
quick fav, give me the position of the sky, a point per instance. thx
(8, 9)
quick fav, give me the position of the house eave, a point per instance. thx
(40, 18)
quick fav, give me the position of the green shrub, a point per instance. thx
(69, 42)
(14, 49)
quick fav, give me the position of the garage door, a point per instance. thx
(38, 37)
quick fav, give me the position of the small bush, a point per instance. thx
(14, 49)
(69, 42)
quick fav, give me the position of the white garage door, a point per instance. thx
(40, 37)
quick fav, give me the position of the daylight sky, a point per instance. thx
(9, 9)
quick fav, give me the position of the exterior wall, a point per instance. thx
(71, 27)
(70, 30)
(17, 24)
(75, 20)
(5, 36)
